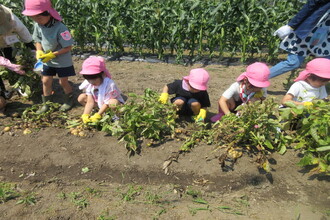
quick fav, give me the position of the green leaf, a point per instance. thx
(323, 148)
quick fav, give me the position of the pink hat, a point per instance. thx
(94, 65)
(257, 73)
(35, 7)
(319, 67)
(198, 78)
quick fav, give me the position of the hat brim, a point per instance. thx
(194, 85)
(259, 84)
(32, 12)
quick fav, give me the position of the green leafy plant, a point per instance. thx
(7, 192)
(28, 199)
(78, 199)
(312, 134)
(142, 117)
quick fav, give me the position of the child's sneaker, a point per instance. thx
(114, 118)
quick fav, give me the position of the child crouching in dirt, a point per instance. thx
(191, 96)
(250, 86)
(100, 89)
(310, 84)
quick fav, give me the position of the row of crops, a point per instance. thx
(206, 28)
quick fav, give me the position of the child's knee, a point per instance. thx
(178, 102)
(195, 105)
(2, 102)
(82, 99)
(113, 103)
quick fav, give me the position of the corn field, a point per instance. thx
(194, 28)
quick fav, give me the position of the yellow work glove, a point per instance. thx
(308, 104)
(163, 98)
(39, 53)
(201, 116)
(259, 94)
(85, 118)
(47, 57)
(96, 117)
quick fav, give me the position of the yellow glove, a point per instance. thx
(96, 117)
(259, 94)
(163, 98)
(39, 53)
(201, 116)
(308, 104)
(47, 57)
(85, 118)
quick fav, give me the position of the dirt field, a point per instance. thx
(48, 164)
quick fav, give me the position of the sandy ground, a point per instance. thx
(48, 164)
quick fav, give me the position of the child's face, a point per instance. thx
(95, 82)
(317, 83)
(40, 19)
(251, 87)
(192, 90)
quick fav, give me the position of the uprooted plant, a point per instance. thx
(311, 133)
(142, 117)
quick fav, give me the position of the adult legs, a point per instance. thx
(292, 62)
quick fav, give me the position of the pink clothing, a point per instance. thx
(198, 79)
(14, 67)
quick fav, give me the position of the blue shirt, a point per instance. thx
(54, 38)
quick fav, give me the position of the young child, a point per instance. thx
(53, 44)
(310, 84)
(100, 89)
(191, 97)
(14, 67)
(250, 86)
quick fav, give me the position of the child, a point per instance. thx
(16, 68)
(310, 84)
(191, 97)
(250, 86)
(53, 44)
(100, 89)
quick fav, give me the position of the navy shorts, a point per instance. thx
(186, 108)
(60, 71)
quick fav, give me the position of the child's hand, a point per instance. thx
(163, 98)
(308, 104)
(96, 117)
(201, 116)
(39, 53)
(47, 57)
(85, 118)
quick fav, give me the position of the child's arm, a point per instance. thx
(164, 96)
(289, 98)
(103, 109)
(62, 51)
(223, 105)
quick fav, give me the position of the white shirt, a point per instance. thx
(234, 90)
(304, 92)
(18, 28)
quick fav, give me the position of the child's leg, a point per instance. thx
(113, 103)
(2, 104)
(64, 82)
(179, 102)
(82, 99)
(195, 106)
(47, 83)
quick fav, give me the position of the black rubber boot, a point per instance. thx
(45, 107)
(68, 102)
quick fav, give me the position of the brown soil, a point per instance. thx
(48, 164)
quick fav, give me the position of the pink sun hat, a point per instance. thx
(197, 78)
(94, 65)
(257, 73)
(318, 66)
(35, 7)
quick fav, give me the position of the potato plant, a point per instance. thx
(29, 83)
(142, 117)
(311, 133)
